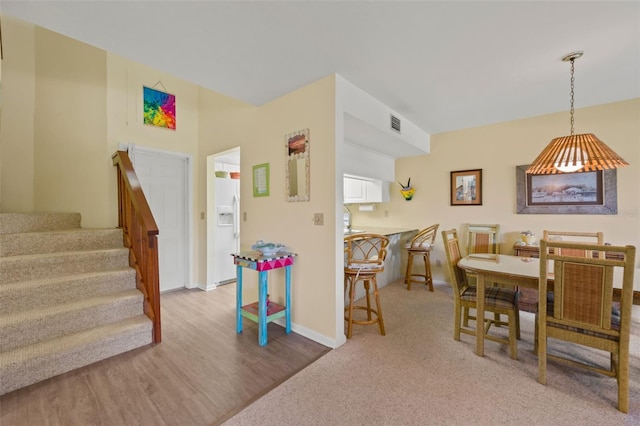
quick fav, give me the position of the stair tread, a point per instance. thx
(63, 278)
(38, 313)
(69, 253)
(23, 353)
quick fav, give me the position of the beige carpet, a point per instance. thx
(418, 375)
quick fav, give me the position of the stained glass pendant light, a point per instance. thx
(575, 153)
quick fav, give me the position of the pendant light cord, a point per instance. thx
(572, 83)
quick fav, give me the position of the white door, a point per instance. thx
(163, 177)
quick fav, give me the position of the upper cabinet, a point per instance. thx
(359, 190)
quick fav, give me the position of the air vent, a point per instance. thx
(395, 123)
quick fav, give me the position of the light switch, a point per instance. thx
(318, 219)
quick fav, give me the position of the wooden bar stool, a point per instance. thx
(364, 259)
(421, 245)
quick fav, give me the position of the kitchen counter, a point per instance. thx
(380, 230)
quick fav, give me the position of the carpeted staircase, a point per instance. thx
(68, 297)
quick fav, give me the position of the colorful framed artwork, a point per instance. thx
(261, 180)
(567, 193)
(159, 108)
(466, 188)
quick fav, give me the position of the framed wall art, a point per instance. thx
(159, 108)
(567, 193)
(466, 188)
(261, 180)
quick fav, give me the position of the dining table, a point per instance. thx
(502, 269)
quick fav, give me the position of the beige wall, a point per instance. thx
(497, 150)
(70, 167)
(275, 219)
(16, 122)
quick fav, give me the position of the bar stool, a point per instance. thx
(421, 245)
(364, 259)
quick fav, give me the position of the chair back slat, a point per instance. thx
(578, 237)
(365, 252)
(425, 238)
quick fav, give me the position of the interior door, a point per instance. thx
(163, 177)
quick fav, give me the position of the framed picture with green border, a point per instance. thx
(261, 180)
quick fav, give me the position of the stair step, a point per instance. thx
(27, 295)
(12, 223)
(32, 267)
(54, 241)
(26, 365)
(25, 328)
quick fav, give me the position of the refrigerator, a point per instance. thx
(227, 229)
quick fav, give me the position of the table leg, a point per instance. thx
(480, 315)
(238, 299)
(262, 308)
(287, 307)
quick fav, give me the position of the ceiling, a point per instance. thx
(443, 66)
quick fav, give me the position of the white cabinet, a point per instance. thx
(355, 190)
(360, 190)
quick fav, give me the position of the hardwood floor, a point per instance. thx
(201, 374)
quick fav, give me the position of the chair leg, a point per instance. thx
(535, 336)
(407, 275)
(517, 323)
(513, 341)
(456, 321)
(352, 292)
(622, 376)
(542, 357)
(368, 296)
(427, 271)
(378, 306)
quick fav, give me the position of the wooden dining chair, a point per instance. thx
(499, 300)
(364, 260)
(421, 245)
(580, 309)
(483, 238)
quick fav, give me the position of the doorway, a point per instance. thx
(223, 216)
(164, 177)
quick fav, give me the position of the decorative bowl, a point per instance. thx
(221, 174)
(234, 175)
(267, 249)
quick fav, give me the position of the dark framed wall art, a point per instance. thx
(466, 187)
(567, 193)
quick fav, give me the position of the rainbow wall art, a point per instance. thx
(159, 108)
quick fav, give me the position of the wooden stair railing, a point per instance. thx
(140, 236)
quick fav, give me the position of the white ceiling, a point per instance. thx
(442, 65)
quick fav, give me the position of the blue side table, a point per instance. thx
(259, 311)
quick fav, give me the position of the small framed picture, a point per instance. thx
(261, 180)
(466, 188)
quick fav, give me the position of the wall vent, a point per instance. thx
(395, 123)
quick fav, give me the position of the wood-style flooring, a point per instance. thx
(201, 374)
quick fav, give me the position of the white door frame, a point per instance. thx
(211, 212)
(132, 148)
